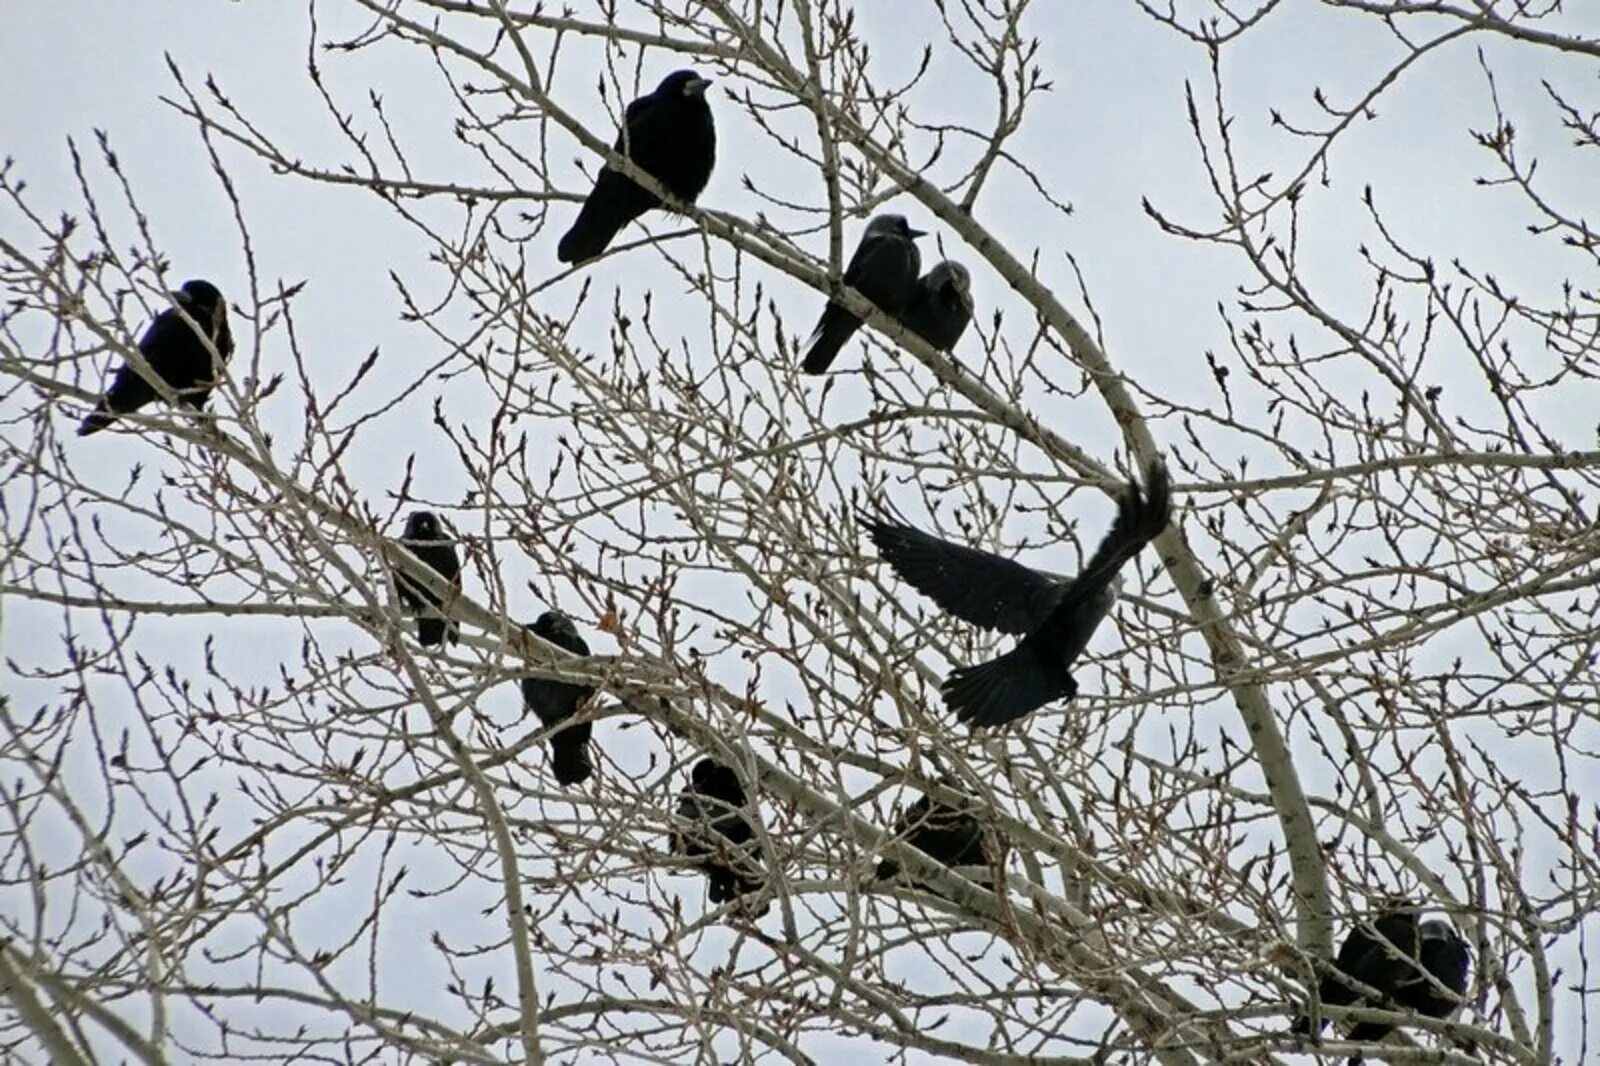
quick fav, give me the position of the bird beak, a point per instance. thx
(179, 297)
(696, 86)
(915, 233)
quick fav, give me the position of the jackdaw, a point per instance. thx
(1056, 617)
(1384, 955)
(425, 538)
(670, 136)
(884, 270)
(942, 832)
(940, 305)
(556, 701)
(722, 838)
(176, 352)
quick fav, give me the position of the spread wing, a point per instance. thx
(1141, 516)
(973, 585)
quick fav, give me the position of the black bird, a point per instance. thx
(425, 539)
(670, 136)
(1055, 617)
(175, 352)
(942, 832)
(1385, 956)
(556, 701)
(884, 270)
(940, 305)
(723, 839)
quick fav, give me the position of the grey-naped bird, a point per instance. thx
(941, 305)
(425, 538)
(722, 838)
(669, 134)
(556, 701)
(1384, 954)
(1055, 617)
(176, 352)
(884, 270)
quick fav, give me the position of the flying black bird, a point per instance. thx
(1055, 616)
(884, 270)
(556, 701)
(1384, 956)
(940, 305)
(175, 352)
(670, 136)
(942, 832)
(425, 539)
(723, 839)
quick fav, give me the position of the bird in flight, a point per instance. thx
(719, 836)
(670, 136)
(1055, 617)
(179, 352)
(426, 539)
(556, 701)
(941, 305)
(884, 270)
(1420, 966)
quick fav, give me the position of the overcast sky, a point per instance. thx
(1112, 133)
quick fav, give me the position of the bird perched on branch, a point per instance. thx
(670, 136)
(941, 305)
(425, 538)
(1415, 966)
(944, 833)
(721, 837)
(884, 270)
(556, 701)
(1054, 616)
(178, 350)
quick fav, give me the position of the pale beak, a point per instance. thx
(696, 86)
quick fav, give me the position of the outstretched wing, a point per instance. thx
(973, 585)
(1141, 516)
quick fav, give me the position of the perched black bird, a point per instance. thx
(940, 305)
(556, 701)
(1385, 956)
(1056, 616)
(175, 352)
(884, 270)
(670, 136)
(942, 832)
(723, 840)
(425, 539)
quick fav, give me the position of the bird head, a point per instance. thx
(554, 625)
(683, 83)
(1439, 929)
(951, 276)
(203, 301)
(891, 225)
(422, 525)
(711, 778)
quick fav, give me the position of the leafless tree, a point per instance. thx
(248, 818)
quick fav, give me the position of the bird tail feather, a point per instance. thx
(834, 329)
(1004, 689)
(569, 758)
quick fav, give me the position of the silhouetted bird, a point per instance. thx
(1384, 956)
(723, 839)
(670, 136)
(556, 701)
(945, 833)
(425, 539)
(1057, 616)
(884, 270)
(940, 305)
(175, 352)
